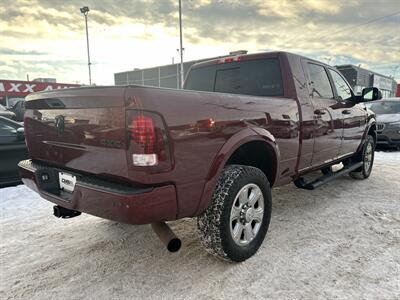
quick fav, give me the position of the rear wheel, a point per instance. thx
(367, 158)
(235, 224)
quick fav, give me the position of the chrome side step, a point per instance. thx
(302, 184)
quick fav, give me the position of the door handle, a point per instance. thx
(346, 112)
(319, 112)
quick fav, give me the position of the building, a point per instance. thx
(163, 76)
(360, 78)
(50, 80)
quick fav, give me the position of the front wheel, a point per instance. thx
(235, 224)
(367, 159)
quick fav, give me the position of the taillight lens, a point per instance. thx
(148, 142)
(143, 133)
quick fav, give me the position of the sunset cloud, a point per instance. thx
(46, 38)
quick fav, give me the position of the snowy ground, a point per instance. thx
(340, 241)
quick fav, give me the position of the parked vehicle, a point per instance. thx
(12, 150)
(4, 112)
(19, 109)
(243, 125)
(388, 121)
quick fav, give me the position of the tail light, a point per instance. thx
(148, 142)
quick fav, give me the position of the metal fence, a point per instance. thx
(164, 76)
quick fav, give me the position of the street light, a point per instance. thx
(85, 11)
(181, 42)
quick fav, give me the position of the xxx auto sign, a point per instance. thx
(12, 88)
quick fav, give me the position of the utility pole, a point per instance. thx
(181, 42)
(177, 77)
(85, 11)
(394, 70)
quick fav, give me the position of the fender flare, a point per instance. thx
(221, 158)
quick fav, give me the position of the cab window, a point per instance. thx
(342, 88)
(321, 87)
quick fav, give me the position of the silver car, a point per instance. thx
(388, 121)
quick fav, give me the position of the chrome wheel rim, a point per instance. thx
(247, 213)
(368, 157)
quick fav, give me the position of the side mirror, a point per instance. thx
(370, 94)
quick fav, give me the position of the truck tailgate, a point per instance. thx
(79, 129)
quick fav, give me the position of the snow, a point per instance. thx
(339, 241)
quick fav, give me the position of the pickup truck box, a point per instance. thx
(243, 125)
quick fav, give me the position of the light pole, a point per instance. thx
(181, 42)
(85, 11)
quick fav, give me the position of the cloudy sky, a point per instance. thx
(46, 38)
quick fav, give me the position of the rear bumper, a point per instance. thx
(100, 198)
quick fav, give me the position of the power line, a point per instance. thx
(360, 24)
(384, 66)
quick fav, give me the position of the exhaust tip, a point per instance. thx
(167, 236)
(64, 213)
(56, 211)
(174, 245)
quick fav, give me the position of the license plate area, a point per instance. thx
(66, 181)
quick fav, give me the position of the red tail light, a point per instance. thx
(148, 139)
(143, 133)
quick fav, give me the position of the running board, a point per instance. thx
(302, 184)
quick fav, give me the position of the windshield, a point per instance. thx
(385, 107)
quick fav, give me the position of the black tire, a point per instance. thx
(368, 160)
(215, 224)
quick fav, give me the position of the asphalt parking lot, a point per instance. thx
(341, 241)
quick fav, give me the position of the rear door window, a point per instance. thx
(255, 77)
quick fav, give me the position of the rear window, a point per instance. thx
(255, 77)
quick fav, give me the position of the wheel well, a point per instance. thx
(372, 132)
(256, 154)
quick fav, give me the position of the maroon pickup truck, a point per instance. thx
(243, 124)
